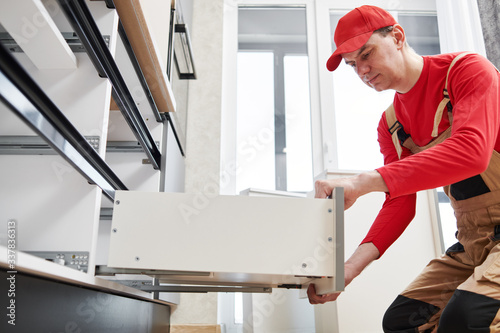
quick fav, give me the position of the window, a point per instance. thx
(273, 102)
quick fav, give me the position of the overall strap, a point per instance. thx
(399, 136)
(396, 129)
(394, 126)
(446, 98)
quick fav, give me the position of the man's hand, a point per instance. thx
(361, 258)
(320, 299)
(354, 187)
(324, 189)
(350, 272)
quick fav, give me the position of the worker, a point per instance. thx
(460, 291)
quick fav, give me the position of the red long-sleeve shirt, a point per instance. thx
(474, 90)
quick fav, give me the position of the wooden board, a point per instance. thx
(135, 25)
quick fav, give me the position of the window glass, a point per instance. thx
(255, 120)
(421, 32)
(298, 123)
(273, 126)
(238, 308)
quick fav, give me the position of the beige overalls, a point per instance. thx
(467, 277)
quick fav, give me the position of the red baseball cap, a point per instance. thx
(355, 28)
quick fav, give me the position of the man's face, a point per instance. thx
(376, 62)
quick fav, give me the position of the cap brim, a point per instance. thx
(350, 45)
(334, 61)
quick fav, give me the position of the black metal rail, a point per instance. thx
(139, 72)
(176, 136)
(170, 42)
(85, 27)
(26, 99)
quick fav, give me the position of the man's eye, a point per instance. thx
(365, 56)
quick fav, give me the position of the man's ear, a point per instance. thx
(399, 35)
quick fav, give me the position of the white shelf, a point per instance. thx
(39, 37)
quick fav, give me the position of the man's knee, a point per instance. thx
(406, 314)
(468, 312)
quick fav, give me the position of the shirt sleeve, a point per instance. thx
(474, 92)
(396, 213)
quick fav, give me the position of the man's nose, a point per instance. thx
(362, 70)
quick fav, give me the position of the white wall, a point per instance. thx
(204, 109)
